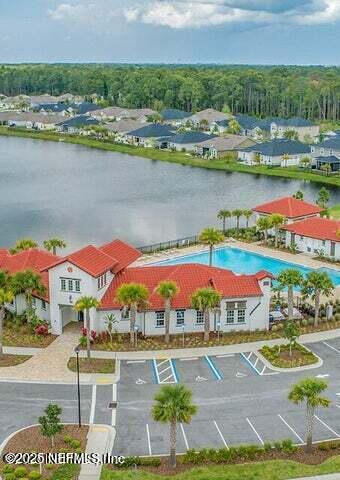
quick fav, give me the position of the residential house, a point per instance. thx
(148, 135)
(61, 108)
(292, 209)
(100, 271)
(36, 100)
(174, 116)
(109, 113)
(282, 153)
(207, 118)
(332, 161)
(327, 148)
(305, 129)
(121, 128)
(30, 120)
(187, 142)
(253, 127)
(218, 147)
(74, 125)
(315, 236)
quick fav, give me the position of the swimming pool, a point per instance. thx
(243, 262)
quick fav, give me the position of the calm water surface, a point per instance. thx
(84, 195)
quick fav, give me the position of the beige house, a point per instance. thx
(219, 146)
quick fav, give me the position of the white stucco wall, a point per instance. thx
(312, 246)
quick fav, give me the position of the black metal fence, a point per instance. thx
(181, 242)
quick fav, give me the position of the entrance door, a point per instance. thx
(332, 249)
(80, 316)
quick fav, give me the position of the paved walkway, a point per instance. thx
(100, 440)
(332, 476)
(48, 364)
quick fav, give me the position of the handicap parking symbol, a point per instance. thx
(140, 381)
(200, 379)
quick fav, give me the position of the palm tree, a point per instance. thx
(28, 282)
(173, 405)
(257, 158)
(6, 296)
(247, 214)
(132, 295)
(223, 215)
(205, 300)
(299, 194)
(290, 278)
(264, 224)
(234, 127)
(309, 391)
(23, 244)
(323, 197)
(238, 214)
(285, 158)
(211, 237)
(167, 289)
(316, 284)
(277, 221)
(53, 243)
(84, 304)
(305, 163)
(326, 168)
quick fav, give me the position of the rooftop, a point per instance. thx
(331, 159)
(174, 114)
(279, 147)
(191, 137)
(189, 278)
(153, 130)
(316, 227)
(290, 207)
(78, 121)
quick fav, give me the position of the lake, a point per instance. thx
(85, 196)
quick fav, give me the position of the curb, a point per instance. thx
(266, 362)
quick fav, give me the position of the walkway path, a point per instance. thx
(49, 364)
(332, 476)
(100, 440)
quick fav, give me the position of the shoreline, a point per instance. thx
(173, 157)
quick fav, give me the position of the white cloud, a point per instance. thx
(200, 13)
(85, 12)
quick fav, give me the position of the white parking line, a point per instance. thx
(149, 442)
(185, 437)
(327, 426)
(221, 435)
(93, 404)
(331, 347)
(114, 410)
(291, 429)
(188, 359)
(135, 361)
(254, 430)
(227, 355)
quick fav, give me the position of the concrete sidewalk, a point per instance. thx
(100, 440)
(332, 476)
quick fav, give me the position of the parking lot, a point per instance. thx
(239, 401)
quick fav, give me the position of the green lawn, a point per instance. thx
(176, 157)
(273, 470)
(335, 211)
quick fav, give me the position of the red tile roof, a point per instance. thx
(122, 252)
(113, 256)
(290, 207)
(316, 227)
(32, 259)
(189, 278)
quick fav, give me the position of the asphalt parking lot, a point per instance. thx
(238, 402)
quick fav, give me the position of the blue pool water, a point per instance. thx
(243, 262)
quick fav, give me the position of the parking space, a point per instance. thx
(131, 439)
(196, 370)
(297, 420)
(233, 366)
(102, 413)
(138, 372)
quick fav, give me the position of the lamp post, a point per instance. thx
(218, 331)
(77, 350)
(136, 335)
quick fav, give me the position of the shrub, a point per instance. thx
(287, 446)
(10, 476)
(278, 445)
(20, 472)
(8, 469)
(64, 450)
(274, 328)
(304, 322)
(83, 341)
(311, 321)
(67, 439)
(267, 447)
(41, 329)
(79, 450)
(34, 475)
(75, 444)
(149, 462)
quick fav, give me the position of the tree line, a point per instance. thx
(285, 91)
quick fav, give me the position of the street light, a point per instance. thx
(77, 350)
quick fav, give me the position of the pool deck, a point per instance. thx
(300, 259)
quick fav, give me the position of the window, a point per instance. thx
(323, 243)
(179, 318)
(309, 249)
(241, 316)
(102, 281)
(230, 316)
(43, 304)
(301, 237)
(199, 318)
(125, 314)
(69, 285)
(160, 319)
(266, 283)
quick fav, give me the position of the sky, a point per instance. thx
(171, 31)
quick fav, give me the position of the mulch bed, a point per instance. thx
(315, 458)
(94, 365)
(7, 360)
(23, 337)
(280, 356)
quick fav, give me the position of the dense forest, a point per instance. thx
(310, 92)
